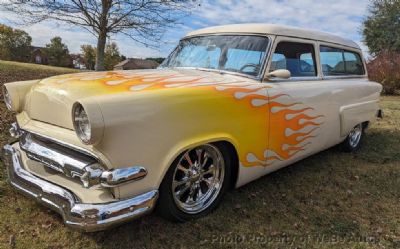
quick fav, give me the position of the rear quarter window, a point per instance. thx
(340, 62)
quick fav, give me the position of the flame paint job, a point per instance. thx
(296, 125)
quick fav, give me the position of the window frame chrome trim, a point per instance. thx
(293, 79)
(344, 77)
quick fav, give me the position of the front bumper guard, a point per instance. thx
(87, 217)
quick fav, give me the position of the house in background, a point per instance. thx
(38, 56)
(132, 63)
(78, 61)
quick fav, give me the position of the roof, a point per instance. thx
(138, 63)
(34, 48)
(122, 63)
(273, 29)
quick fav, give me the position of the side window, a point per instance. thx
(307, 63)
(298, 58)
(337, 61)
(332, 61)
(354, 64)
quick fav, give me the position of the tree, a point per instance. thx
(112, 56)
(142, 20)
(58, 53)
(382, 26)
(15, 44)
(385, 68)
(89, 55)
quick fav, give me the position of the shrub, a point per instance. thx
(385, 69)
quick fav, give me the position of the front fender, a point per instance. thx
(152, 128)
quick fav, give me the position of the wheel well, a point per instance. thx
(365, 125)
(235, 160)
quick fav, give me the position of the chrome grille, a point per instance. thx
(54, 156)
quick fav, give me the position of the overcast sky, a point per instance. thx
(341, 17)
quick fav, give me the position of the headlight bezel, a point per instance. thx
(82, 124)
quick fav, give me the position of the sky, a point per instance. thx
(340, 17)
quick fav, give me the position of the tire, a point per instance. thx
(354, 139)
(181, 203)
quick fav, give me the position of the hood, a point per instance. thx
(51, 100)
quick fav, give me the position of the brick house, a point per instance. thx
(133, 63)
(38, 56)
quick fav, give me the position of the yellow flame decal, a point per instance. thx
(293, 127)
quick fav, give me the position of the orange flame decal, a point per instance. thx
(292, 124)
(292, 128)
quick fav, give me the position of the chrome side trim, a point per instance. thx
(342, 77)
(85, 216)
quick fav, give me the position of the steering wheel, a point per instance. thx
(255, 66)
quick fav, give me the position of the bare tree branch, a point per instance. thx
(144, 21)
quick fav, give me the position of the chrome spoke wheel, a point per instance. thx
(355, 136)
(198, 178)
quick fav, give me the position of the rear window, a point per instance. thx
(339, 62)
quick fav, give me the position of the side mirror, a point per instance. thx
(280, 74)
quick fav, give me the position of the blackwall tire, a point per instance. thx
(354, 139)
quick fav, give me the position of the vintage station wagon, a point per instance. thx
(229, 105)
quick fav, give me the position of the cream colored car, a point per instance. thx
(229, 105)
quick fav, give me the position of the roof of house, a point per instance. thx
(34, 48)
(139, 63)
(273, 29)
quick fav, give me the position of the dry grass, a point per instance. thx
(330, 200)
(17, 71)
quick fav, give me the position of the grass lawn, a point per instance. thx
(17, 71)
(330, 200)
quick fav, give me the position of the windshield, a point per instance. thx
(235, 53)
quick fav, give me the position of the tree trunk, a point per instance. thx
(101, 45)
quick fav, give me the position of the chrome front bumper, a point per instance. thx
(85, 216)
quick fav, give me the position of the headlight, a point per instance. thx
(81, 123)
(7, 98)
(88, 121)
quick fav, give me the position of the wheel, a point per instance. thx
(195, 183)
(354, 139)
